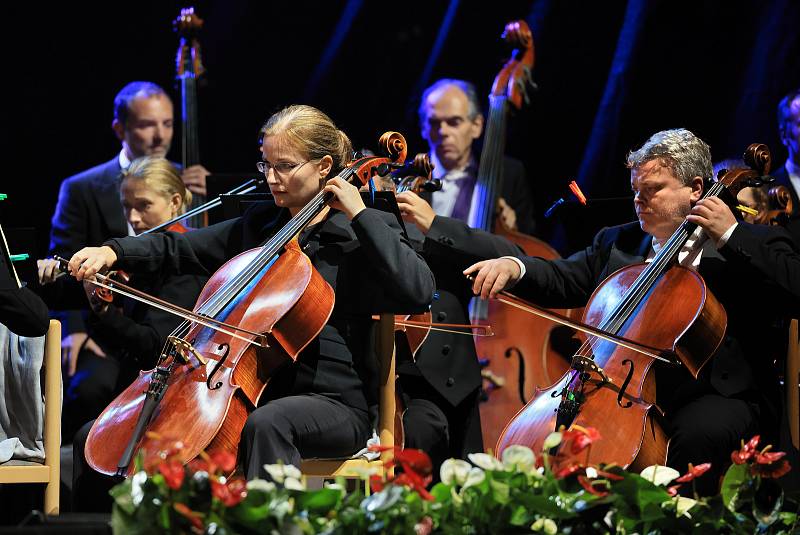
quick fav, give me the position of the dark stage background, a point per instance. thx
(609, 74)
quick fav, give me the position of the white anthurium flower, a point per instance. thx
(520, 458)
(552, 440)
(545, 525)
(659, 475)
(260, 484)
(290, 470)
(454, 471)
(335, 486)
(292, 483)
(485, 461)
(475, 476)
(276, 472)
(683, 506)
(137, 493)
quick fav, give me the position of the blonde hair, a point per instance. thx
(161, 176)
(310, 132)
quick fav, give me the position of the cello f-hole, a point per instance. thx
(521, 376)
(627, 380)
(224, 348)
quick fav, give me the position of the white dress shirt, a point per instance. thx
(124, 163)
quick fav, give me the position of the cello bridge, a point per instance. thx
(185, 349)
(586, 364)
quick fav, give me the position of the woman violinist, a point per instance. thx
(750, 269)
(317, 406)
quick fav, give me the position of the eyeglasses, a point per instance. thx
(280, 168)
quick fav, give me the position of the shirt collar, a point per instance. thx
(124, 161)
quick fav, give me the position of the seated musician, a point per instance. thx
(129, 334)
(441, 385)
(744, 266)
(317, 406)
(451, 121)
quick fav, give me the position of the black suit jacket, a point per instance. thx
(21, 310)
(448, 361)
(516, 192)
(754, 276)
(368, 262)
(88, 212)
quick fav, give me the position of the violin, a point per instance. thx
(529, 360)
(254, 315)
(610, 386)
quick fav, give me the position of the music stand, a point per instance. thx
(218, 184)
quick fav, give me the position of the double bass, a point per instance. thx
(611, 387)
(189, 69)
(513, 364)
(256, 313)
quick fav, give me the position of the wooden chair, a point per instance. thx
(50, 471)
(353, 468)
(790, 383)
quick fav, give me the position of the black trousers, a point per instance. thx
(299, 427)
(88, 392)
(707, 429)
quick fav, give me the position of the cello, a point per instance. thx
(255, 314)
(513, 365)
(610, 387)
(189, 68)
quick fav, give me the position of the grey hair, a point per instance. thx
(685, 154)
(468, 88)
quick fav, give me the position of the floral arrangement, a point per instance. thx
(524, 492)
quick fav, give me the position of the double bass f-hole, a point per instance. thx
(224, 348)
(515, 351)
(628, 377)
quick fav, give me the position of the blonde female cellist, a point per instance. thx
(743, 266)
(319, 404)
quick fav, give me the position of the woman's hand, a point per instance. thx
(347, 199)
(89, 261)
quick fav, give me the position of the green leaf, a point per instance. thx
(441, 492)
(320, 501)
(732, 483)
(500, 491)
(519, 516)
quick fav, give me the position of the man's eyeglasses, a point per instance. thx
(280, 168)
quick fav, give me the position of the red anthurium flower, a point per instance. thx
(609, 475)
(231, 492)
(673, 490)
(583, 438)
(694, 471)
(173, 473)
(771, 464)
(416, 483)
(589, 486)
(224, 461)
(747, 451)
(568, 470)
(192, 516)
(414, 460)
(376, 483)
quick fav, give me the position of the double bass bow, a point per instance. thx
(612, 388)
(272, 303)
(508, 358)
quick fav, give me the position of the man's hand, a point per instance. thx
(713, 216)
(194, 177)
(71, 346)
(416, 210)
(87, 262)
(506, 214)
(347, 198)
(48, 270)
(493, 276)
